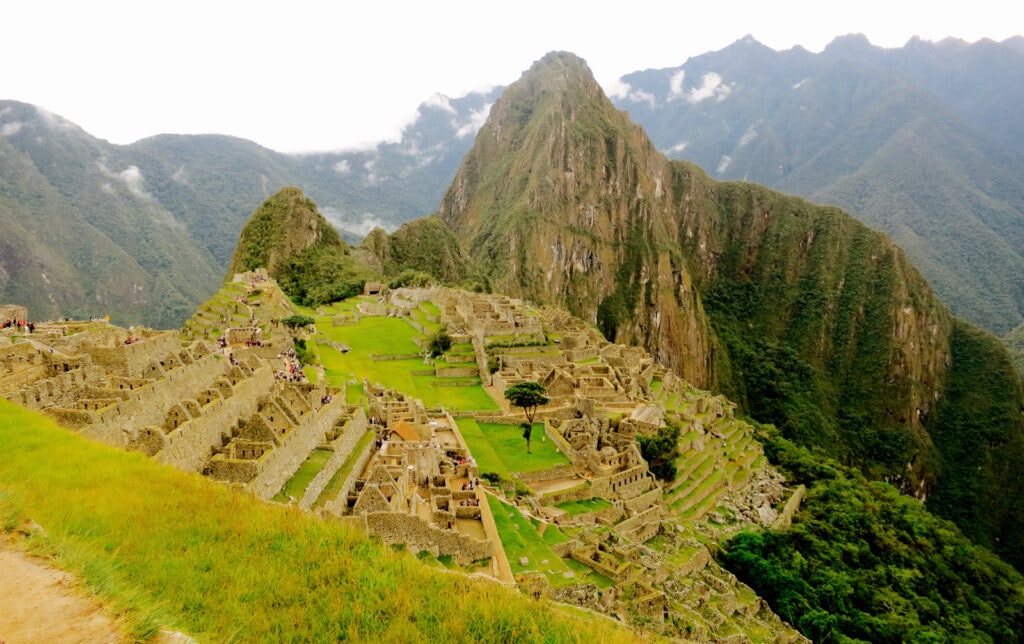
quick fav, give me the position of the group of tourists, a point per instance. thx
(22, 325)
(292, 371)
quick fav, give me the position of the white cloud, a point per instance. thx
(625, 91)
(711, 86)
(678, 147)
(723, 165)
(371, 175)
(180, 176)
(53, 121)
(675, 85)
(477, 118)
(342, 167)
(748, 136)
(441, 102)
(130, 176)
(10, 129)
(800, 84)
(360, 225)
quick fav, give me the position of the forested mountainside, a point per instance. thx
(802, 314)
(922, 142)
(144, 232)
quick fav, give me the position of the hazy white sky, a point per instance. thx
(303, 75)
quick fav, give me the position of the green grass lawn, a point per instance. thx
(502, 448)
(579, 507)
(520, 539)
(383, 336)
(165, 548)
(296, 485)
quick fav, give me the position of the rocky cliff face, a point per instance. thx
(562, 200)
(803, 315)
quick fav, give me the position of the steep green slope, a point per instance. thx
(804, 315)
(425, 245)
(564, 201)
(922, 142)
(102, 244)
(863, 563)
(289, 237)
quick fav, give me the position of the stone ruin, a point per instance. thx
(184, 401)
(418, 486)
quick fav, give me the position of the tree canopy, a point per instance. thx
(529, 395)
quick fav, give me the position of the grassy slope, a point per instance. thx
(173, 549)
(384, 336)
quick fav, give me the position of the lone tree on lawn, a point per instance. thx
(529, 395)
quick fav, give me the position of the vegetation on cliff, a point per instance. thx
(862, 562)
(289, 237)
(800, 313)
(422, 245)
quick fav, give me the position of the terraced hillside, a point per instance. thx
(424, 452)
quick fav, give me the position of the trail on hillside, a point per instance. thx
(41, 604)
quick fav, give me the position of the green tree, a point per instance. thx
(439, 342)
(297, 321)
(661, 451)
(529, 395)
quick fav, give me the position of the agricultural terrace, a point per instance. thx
(188, 554)
(502, 448)
(387, 337)
(529, 551)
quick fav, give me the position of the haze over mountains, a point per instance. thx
(922, 142)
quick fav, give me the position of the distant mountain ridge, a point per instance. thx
(922, 142)
(144, 232)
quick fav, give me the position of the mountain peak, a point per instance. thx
(284, 226)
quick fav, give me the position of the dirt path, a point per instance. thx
(39, 603)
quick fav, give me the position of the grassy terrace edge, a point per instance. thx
(164, 548)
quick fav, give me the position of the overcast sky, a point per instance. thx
(302, 76)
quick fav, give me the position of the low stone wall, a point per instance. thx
(281, 464)
(343, 446)
(148, 405)
(394, 527)
(456, 372)
(785, 519)
(338, 506)
(559, 471)
(644, 501)
(641, 527)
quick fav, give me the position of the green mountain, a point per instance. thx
(144, 232)
(563, 200)
(802, 314)
(83, 236)
(289, 238)
(922, 142)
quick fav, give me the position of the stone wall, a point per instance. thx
(13, 312)
(148, 405)
(343, 445)
(189, 446)
(281, 464)
(133, 360)
(338, 506)
(394, 527)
